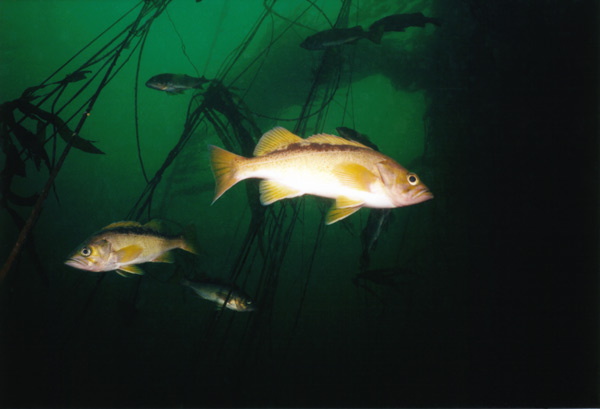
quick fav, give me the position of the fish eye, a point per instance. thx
(86, 252)
(412, 179)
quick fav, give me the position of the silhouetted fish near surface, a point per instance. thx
(353, 135)
(323, 165)
(399, 22)
(339, 36)
(122, 245)
(75, 76)
(175, 83)
(219, 292)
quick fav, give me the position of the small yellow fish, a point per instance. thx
(324, 165)
(219, 292)
(121, 245)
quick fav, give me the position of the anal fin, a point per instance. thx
(336, 214)
(131, 269)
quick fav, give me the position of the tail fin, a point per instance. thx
(178, 277)
(189, 242)
(374, 34)
(435, 21)
(224, 167)
(201, 81)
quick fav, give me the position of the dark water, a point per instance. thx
(485, 295)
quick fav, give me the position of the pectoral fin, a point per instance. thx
(128, 254)
(355, 176)
(271, 191)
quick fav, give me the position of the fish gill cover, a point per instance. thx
(109, 109)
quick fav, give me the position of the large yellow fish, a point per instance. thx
(122, 245)
(324, 165)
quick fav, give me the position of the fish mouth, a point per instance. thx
(75, 263)
(159, 87)
(423, 195)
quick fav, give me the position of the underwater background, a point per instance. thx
(485, 295)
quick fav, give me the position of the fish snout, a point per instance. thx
(77, 263)
(249, 307)
(83, 264)
(422, 195)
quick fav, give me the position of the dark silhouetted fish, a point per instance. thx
(351, 134)
(339, 36)
(175, 83)
(399, 22)
(378, 221)
(75, 76)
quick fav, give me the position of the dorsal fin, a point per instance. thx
(334, 140)
(276, 138)
(155, 224)
(121, 224)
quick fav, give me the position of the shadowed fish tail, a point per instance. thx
(189, 241)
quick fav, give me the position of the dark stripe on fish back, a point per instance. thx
(139, 231)
(320, 147)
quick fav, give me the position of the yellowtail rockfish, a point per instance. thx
(219, 292)
(122, 245)
(324, 165)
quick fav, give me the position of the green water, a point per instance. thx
(485, 295)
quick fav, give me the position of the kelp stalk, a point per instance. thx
(54, 173)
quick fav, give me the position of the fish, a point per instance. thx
(219, 292)
(74, 77)
(121, 246)
(175, 83)
(353, 135)
(377, 222)
(399, 22)
(353, 174)
(339, 36)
